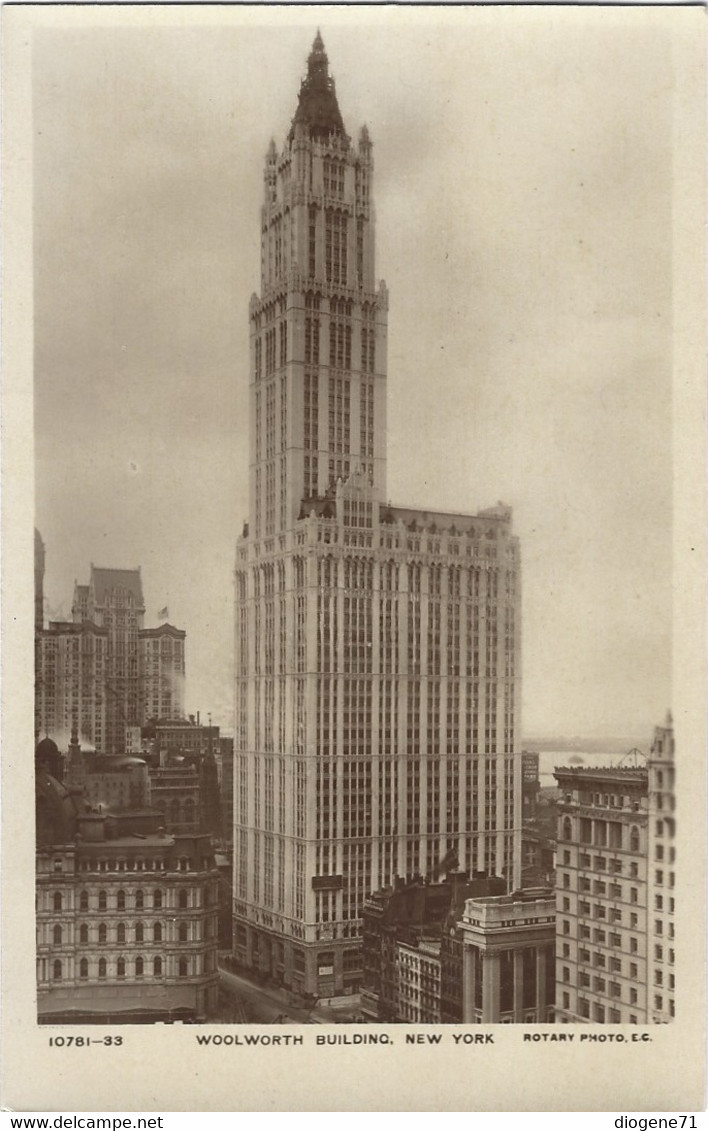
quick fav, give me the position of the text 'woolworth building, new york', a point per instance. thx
(377, 646)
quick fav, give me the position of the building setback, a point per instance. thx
(377, 647)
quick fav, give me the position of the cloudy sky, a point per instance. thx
(523, 201)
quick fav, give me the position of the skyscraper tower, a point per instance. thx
(377, 680)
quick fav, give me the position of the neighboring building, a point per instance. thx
(418, 981)
(601, 895)
(112, 783)
(538, 853)
(161, 668)
(174, 790)
(171, 738)
(530, 782)
(400, 920)
(108, 783)
(103, 669)
(126, 916)
(72, 673)
(661, 990)
(113, 600)
(508, 958)
(39, 566)
(377, 647)
(225, 765)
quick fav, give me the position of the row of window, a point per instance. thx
(121, 968)
(121, 933)
(102, 901)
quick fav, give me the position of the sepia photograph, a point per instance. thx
(362, 588)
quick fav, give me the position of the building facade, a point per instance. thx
(601, 895)
(661, 876)
(174, 790)
(127, 915)
(418, 982)
(39, 567)
(161, 670)
(103, 669)
(72, 669)
(377, 647)
(508, 958)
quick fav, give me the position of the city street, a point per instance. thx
(259, 1004)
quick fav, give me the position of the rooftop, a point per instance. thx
(148, 840)
(165, 629)
(610, 773)
(106, 581)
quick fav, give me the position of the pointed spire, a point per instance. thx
(364, 142)
(317, 103)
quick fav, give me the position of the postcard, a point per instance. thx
(354, 558)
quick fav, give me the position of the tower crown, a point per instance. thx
(317, 109)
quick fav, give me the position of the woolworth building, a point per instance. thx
(377, 647)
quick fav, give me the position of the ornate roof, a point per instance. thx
(317, 102)
(105, 580)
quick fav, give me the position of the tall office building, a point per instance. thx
(601, 895)
(615, 890)
(161, 671)
(104, 671)
(377, 647)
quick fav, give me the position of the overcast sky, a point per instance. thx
(523, 202)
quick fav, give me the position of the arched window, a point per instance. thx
(120, 968)
(139, 967)
(157, 966)
(120, 933)
(101, 967)
(182, 932)
(157, 932)
(102, 901)
(83, 968)
(102, 932)
(83, 934)
(634, 839)
(659, 828)
(56, 935)
(567, 828)
(56, 901)
(140, 899)
(83, 901)
(183, 967)
(120, 901)
(56, 970)
(139, 932)
(157, 898)
(183, 898)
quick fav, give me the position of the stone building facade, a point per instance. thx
(126, 915)
(377, 647)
